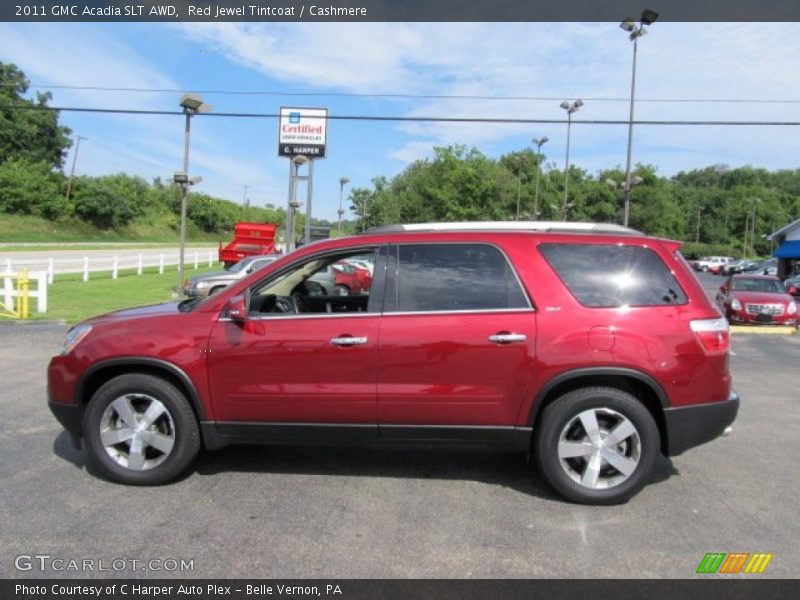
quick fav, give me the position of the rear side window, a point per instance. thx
(614, 275)
(450, 277)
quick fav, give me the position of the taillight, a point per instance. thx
(712, 333)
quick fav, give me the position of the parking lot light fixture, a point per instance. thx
(539, 143)
(570, 108)
(634, 32)
(191, 104)
(343, 181)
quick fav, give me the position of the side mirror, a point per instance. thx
(724, 288)
(236, 309)
(793, 291)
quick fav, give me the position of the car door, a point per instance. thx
(457, 340)
(309, 367)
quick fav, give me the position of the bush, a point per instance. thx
(32, 189)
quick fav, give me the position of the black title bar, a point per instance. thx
(397, 10)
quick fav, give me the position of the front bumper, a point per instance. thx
(71, 418)
(690, 426)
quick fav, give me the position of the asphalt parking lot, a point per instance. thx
(353, 513)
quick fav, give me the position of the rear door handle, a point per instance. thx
(349, 341)
(507, 338)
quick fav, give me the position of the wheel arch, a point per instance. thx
(100, 373)
(640, 385)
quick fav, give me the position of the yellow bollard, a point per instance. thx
(22, 284)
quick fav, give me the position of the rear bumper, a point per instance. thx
(691, 426)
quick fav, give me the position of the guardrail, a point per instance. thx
(16, 293)
(113, 264)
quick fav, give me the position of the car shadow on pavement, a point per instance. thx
(511, 470)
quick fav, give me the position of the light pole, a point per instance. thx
(74, 160)
(697, 234)
(622, 186)
(192, 104)
(519, 184)
(539, 143)
(753, 202)
(343, 181)
(570, 108)
(294, 177)
(635, 32)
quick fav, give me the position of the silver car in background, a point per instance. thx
(208, 284)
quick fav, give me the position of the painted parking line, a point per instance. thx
(764, 329)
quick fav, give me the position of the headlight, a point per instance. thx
(792, 308)
(736, 305)
(74, 337)
(201, 285)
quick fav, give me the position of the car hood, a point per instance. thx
(165, 308)
(214, 275)
(761, 297)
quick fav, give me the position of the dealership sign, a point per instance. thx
(302, 131)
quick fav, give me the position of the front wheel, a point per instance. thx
(141, 430)
(596, 445)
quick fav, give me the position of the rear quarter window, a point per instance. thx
(613, 275)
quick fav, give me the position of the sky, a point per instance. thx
(716, 70)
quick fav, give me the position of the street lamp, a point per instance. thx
(343, 181)
(519, 183)
(751, 229)
(634, 33)
(570, 108)
(74, 160)
(192, 104)
(539, 143)
(622, 186)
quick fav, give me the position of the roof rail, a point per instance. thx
(542, 226)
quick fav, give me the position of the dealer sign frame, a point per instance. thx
(302, 131)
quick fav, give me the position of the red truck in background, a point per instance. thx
(248, 239)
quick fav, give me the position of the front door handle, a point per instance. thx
(507, 338)
(349, 341)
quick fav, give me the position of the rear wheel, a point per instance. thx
(596, 445)
(141, 430)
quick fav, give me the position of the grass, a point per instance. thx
(74, 300)
(161, 229)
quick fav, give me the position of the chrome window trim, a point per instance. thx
(530, 310)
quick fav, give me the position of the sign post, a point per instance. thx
(301, 132)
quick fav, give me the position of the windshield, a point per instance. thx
(768, 286)
(241, 265)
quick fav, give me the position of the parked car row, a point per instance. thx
(727, 265)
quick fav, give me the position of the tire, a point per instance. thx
(567, 466)
(342, 290)
(166, 448)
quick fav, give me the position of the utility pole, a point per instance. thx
(245, 203)
(74, 160)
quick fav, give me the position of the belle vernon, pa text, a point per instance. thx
(135, 589)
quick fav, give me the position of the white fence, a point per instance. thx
(9, 291)
(113, 264)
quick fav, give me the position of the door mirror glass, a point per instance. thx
(236, 309)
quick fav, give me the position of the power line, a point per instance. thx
(98, 88)
(496, 120)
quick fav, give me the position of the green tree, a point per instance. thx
(27, 130)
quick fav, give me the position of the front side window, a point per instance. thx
(316, 286)
(452, 277)
(608, 276)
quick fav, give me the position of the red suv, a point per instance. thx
(592, 346)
